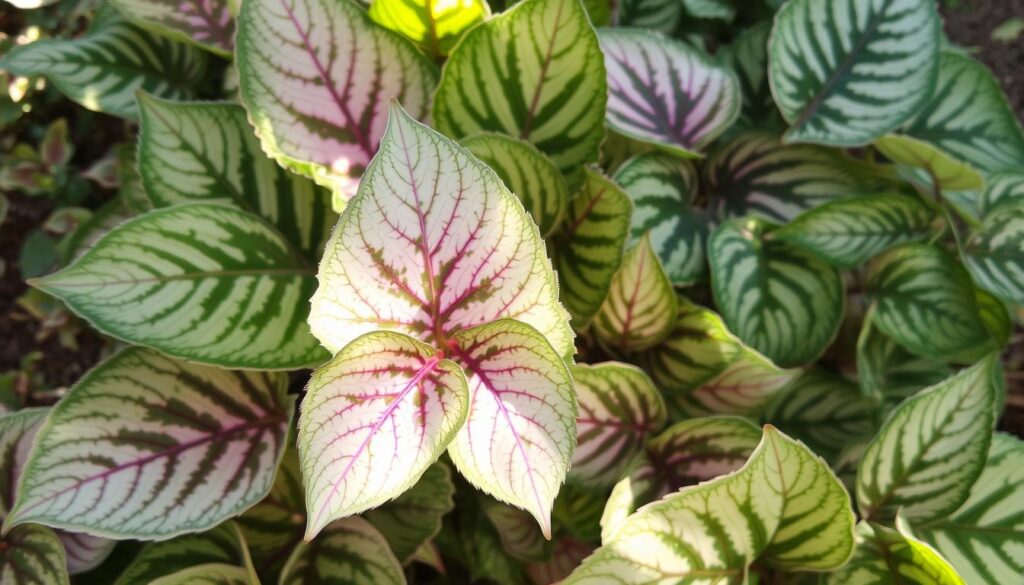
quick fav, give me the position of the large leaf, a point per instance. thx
(534, 72)
(663, 189)
(886, 557)
(983, 538)
(220, 545)
(588, 250)
(846, 72)
(434, 25)
(147, 447)
(103, 70)
(348, 551)
(849, 232)
(619, 410)
(203, 282)
(208, 23)
(316, 77)
(32, 555)
(995, 253)
(931, 449)
(414, 255)
(206, 152)
(777, 298)
(409, 521)
(374, 418)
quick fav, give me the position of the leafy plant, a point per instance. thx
(654, 291)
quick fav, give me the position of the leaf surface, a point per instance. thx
(409, 521)
(32, 554)
(884, 556)
(208, 23)
(348, 551)
(994, 255)
(434, 25)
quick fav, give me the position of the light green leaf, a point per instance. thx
(31, 555)
(518, 532)
(209, 574)
(220, 545)
(711, 9)
(409, 521)
(1005, 188)
(777, 298)
(206, 152)
(994, 255)
(950, 173)
(347, 551)
(848, 232)
(435, 25)
(147, 447)
(886, 557)
(931, 449)
(203, 282)
(534, 72)
(207, 23)
(848, 71)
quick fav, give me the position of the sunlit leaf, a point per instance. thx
(435, 25)
(948, 172)
(886, 557)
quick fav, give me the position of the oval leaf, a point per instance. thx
(434, 25)
(995, 254)
(32, 554)
(349, 550)
(208, 23)
(884, 556)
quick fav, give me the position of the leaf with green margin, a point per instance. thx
(518, 532)
(316, 77)
(994, 254)
(277, 523)
(1003, 189)
(206, 152)
(534, 72)
(950, 173)
(848, 232)
(588, 250)
(103, 69)
(209, 574)
(207, 23)
(663, 189)
(784, 507)
(434, 25)
(848, 71)
(659, 15)
(577, 511)
(527, 173)
(412, 519)
(886, 557)
(619, 409)
(641, 307)
(665, 92)
(32, 554)
(159, 559)
(776, 297)
(350, 550)
(206, 440)
(747, 55)
(969, 118)
(200, 281)
(925, 301)
(982, 538)
(931, 449)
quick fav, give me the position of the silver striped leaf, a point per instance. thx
(207, 23)
(1005, 188)
(347, 548)
(886, 557)
(411, 520)
(659, 15)
(220, 545)
(994, 254)
(747, 55)
(942, 171)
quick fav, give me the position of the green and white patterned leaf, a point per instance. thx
(518, 532)
(777, 298)
(534, 72)
(210, 574)
(931, 449)
(848, 232)
(206, 152)
(969, 118)
(147, 447)
(203, 282)
(278, 522)
(659, 15)
(925, 300)
(588, 250)
(17, 431)
(32, 555)
(347, 551)
(619, 409)
(316, 77)
(641, 306)
(527, 173)
(950, 173)
(665, 92)
(886, 557)
(220, 545)
(1002, 189)
(848, 71)
(434, 25)
(994, 255)
(887, 372)
(663, 189)
(747, 55)
(983, 538)
(409, 521)
(208, 23)
(103, 69)
(429, 261)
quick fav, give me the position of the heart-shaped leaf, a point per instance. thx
(220, 545)
(315, 78)
(186, 445)
(884, 556)
(534, 72)
(434, 25)
(409, 521)
(32, 554)
(349, 550)
(665, 92)
(994, 255)
(208, 23)
(848, 71)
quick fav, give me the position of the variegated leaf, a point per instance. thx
(566, 555)
(208, 23)
(518, 531)
(206, 152)
(994, 255)
(220, 545)
(414, 254)
(144, 446)
(203, 282)
(619, 409)
(409, 521)
(32, 555)
(777, 298)
(748, 57)
(887, 372)
(665, 92)
(210, 574)
(527, 173)
(84, 552)
(886, 557)
(949, 173)
(436, 26)
(1002, 189)
(588, 250)
(848, 71)
(534, 72)
(660, 15)
(316, 77)
(663, 189)
(641, 305)
(931, 449)
(848, 232)
(347, 551)
(278, 522)
(578, 511)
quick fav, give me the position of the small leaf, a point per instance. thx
(884, 556)
(434, 25)
(208, 23)
(994, 255)
(948, 172)
(348, 550)
(32, 554)
(160, 559)
(409, 521)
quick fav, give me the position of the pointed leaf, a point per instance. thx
(931, 449)
(434, 25)
(995, 254)
(521, 432)
(210, 574)
(409, 521)
(316, 77)
(948, 172)
(202, 282)
(32, 554)
(665, 92)
(348, 551)
(160, 559)
(884, 557)
(188, 448)
(534, 72)
(846, 72)
(208, 23)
